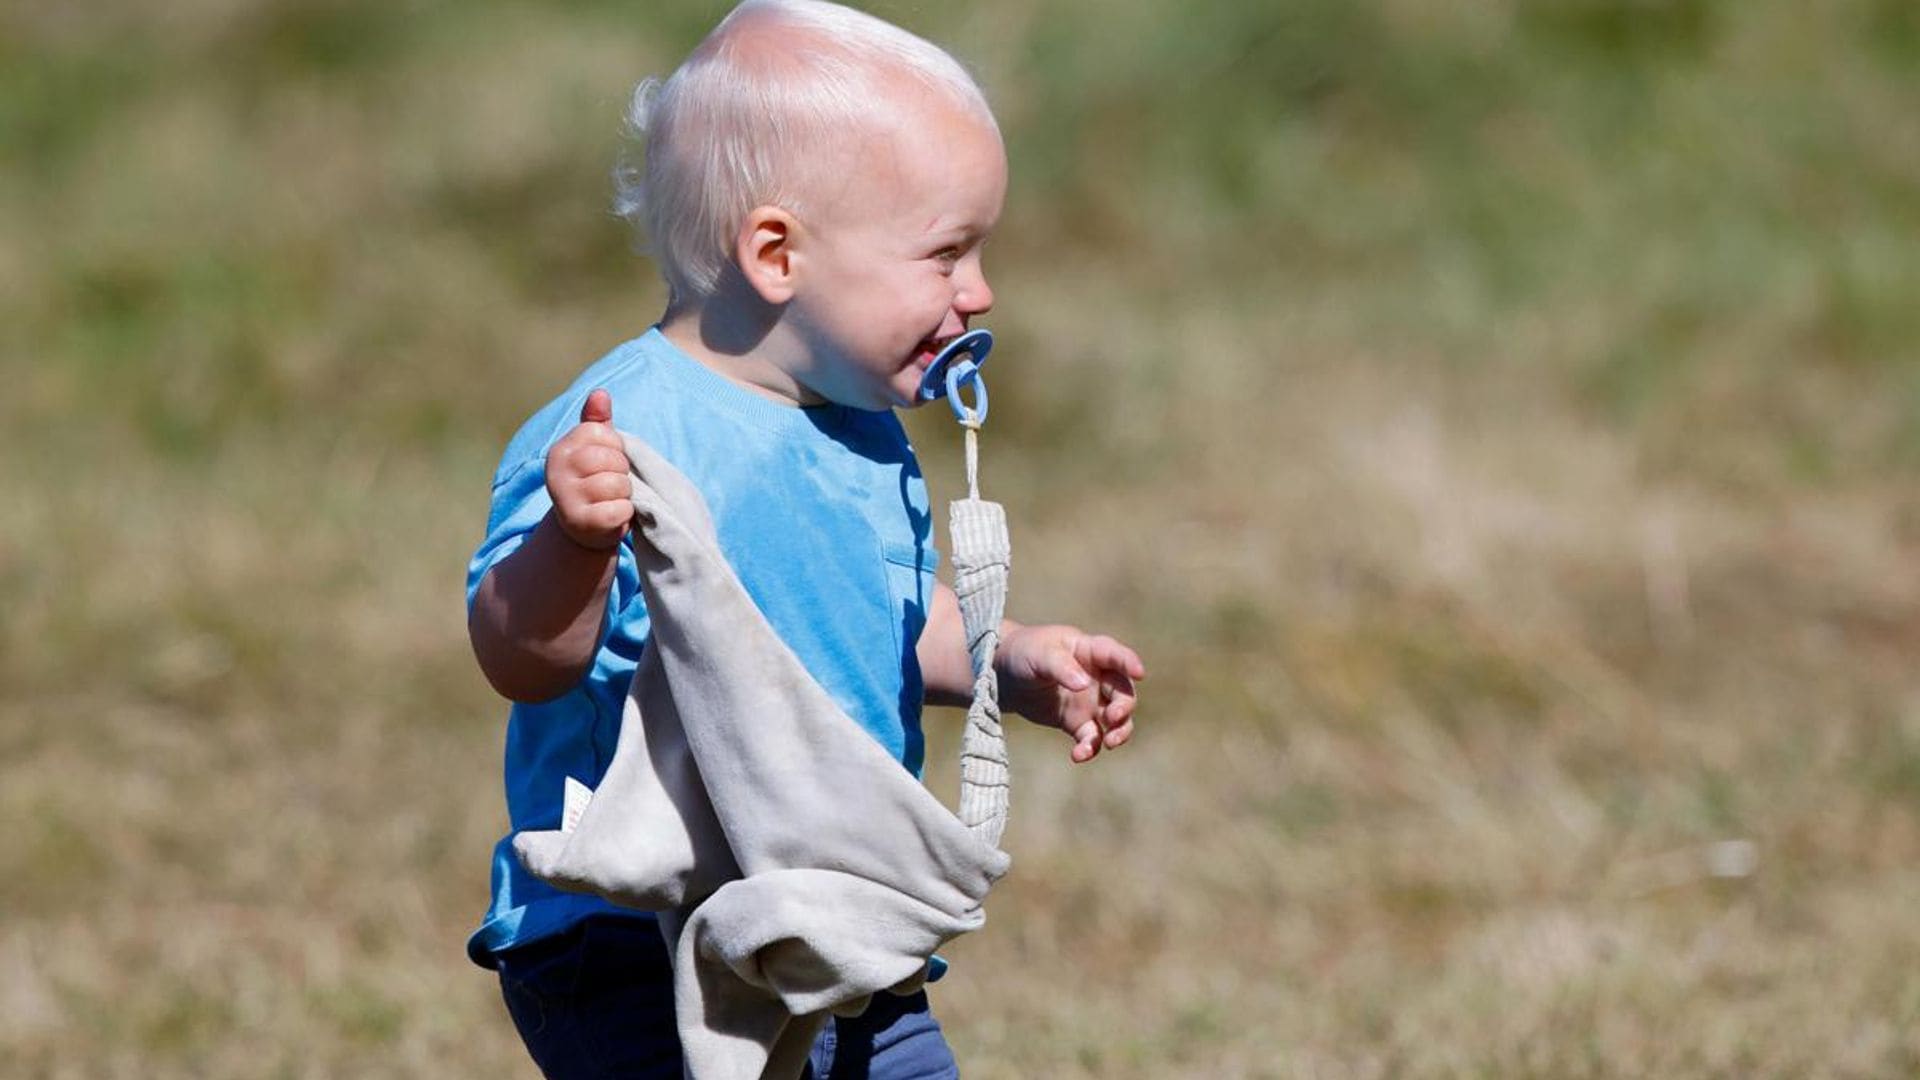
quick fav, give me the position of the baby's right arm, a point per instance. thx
(535, 620)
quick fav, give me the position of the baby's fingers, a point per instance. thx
(1081, 717)
(1116, 716)
(607, 487)
(1057, 665)
(1099, 652)
(1112, 703)
(1086, 742)
(608, 518)
(590, 458)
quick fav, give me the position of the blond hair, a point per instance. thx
(739, 122)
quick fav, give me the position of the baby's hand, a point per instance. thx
(1081, 683)
(587, 478)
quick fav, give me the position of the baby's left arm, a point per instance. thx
(1059, 676)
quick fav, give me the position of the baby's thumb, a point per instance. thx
(1061, 667)
(598, 409)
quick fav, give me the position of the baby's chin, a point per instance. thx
(898, 398)
(901, 393)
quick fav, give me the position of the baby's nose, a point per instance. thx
(975, 296)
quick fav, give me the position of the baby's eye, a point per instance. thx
(947, 257)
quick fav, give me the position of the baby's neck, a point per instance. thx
(743, 353)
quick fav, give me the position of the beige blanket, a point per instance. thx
(798, 868)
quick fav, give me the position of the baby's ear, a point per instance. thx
(765, 252)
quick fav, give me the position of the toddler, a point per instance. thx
(817, 187)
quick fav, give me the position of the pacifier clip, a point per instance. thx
(982, 555)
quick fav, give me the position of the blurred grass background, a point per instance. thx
(1497, 424)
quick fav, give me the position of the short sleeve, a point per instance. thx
(518, 503)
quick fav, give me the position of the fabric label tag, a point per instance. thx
(573, 803)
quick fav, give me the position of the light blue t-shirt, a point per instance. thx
(824, 515)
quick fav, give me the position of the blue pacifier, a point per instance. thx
(958, 367)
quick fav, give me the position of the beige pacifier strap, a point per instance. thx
(982, 555)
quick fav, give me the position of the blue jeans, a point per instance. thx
(597, 1001)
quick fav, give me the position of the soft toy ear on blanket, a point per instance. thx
(797, 868)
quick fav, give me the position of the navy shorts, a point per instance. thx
(597, 1001)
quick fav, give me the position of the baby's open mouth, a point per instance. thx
(930, 348)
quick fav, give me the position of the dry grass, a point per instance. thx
(1497, 428)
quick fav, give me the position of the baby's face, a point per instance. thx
(892, 271)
